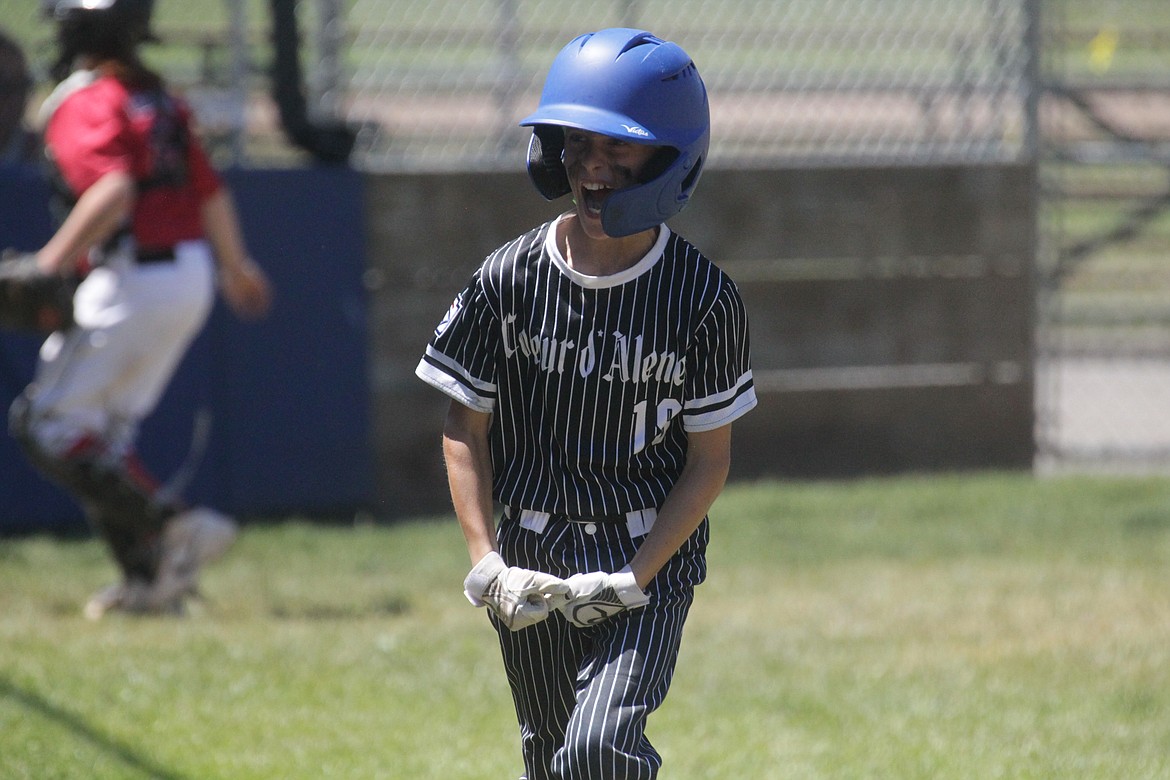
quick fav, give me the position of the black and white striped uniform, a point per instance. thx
(593, 384)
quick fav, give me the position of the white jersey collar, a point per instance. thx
(612, 280)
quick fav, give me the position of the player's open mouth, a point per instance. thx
(594, 196)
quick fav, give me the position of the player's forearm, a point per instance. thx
(242, 281)
(98, 213)
(467, 453)
(701, 482)
(222, 227)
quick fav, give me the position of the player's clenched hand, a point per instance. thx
(31, 297)
(519, 597)
(598, 596)
(246, 289)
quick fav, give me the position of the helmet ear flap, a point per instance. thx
(544, 161)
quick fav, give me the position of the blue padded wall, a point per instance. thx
(284, 401)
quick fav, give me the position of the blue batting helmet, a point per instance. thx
(631, 85)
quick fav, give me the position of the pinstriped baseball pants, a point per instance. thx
(582, 696)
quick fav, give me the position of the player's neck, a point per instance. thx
(601, 256)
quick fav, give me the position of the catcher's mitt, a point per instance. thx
(30, 299)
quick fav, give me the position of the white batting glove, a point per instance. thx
(519, 597)
(598, 596)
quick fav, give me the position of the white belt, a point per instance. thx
(638, 522)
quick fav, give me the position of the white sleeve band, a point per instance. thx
(626, 586)
(481, 575)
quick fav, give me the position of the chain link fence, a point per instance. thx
(1103, 357)
(440, 85)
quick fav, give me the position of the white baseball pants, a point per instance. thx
(134, 324)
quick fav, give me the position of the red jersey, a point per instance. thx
(104, 125)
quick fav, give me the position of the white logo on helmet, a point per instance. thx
(635, 130)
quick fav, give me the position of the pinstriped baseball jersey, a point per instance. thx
(593, 382)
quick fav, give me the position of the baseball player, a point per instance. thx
(595, 365)
(146, 219)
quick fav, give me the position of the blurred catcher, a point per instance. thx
(147, 223)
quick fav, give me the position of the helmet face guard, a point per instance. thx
(625, 84)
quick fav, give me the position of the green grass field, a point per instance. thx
(992, 626)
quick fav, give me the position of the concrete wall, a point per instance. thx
(891, 313)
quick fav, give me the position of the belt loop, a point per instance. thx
(534, 521)
(640, 521)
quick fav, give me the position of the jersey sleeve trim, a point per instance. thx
(439, 371)
(715, 411)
